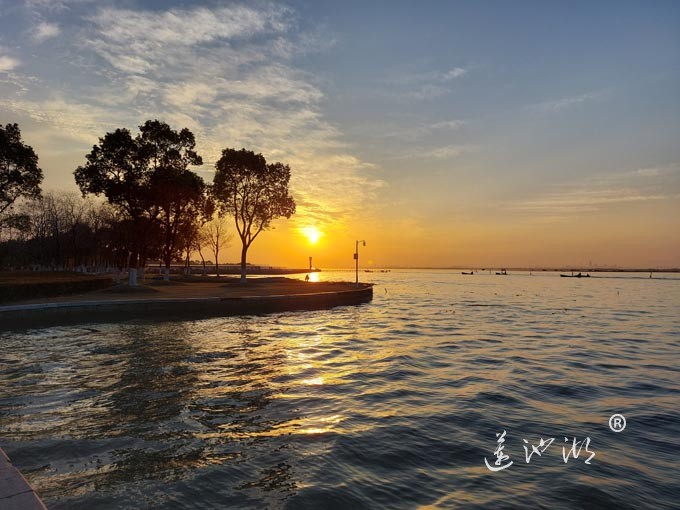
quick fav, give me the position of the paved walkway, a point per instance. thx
(224, 288)
(15, 492)
(183, 300)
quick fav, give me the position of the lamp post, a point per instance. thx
(356, 260)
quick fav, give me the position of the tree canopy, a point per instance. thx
(147, 177)
(253, 192)
(20, 175)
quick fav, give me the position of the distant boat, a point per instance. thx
(579, 275)
(471, 272)
(503, 272)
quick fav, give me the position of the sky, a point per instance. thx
(445, 134)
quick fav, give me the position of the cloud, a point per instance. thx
(427, 91)
(569, 204)
(600, 191)
(146, 35)
(446, 124)
(659, 177)
(449, 151)
(82, 122)
(437, 153)
(228, 74)
(419, 130)
(454, 73)
(55, 5)
(655, 171)
(564, 103)
(44, 31)
(426, 85)
(7, 63)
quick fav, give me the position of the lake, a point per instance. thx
(395, 404)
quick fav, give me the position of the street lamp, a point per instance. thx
(356, 259)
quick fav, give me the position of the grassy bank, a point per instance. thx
(19, 286)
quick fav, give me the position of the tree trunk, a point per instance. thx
(132, 270)
(132, 277)
(200, 253)
(244, 252)
(166, 270)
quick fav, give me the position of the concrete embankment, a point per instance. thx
(15, 491)
(173, 308)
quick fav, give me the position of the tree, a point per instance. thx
(116, 169)
(179, 192)
(20, 175)
(214, 234)
(147, 179)
(253, 192)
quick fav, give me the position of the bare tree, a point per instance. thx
(215, 235)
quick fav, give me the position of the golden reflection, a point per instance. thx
(313, 277)
(313, 381)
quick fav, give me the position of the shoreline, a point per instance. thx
(182, 301)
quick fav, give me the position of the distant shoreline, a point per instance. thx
(508, 268)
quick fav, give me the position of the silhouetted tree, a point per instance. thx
(146, 178)
(20, 175)
(63, 231)
(216, 237)
(253, 192)
(117, 169)
(178, 192)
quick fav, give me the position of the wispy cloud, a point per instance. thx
(436, 153)
(54, 5)
(654, 171)
(418, 130)
(426, 85)
(7, 63)
(563, 103)
(45, 30)
(446, 124)
(454, 73)
(582, 201)
(225, 72)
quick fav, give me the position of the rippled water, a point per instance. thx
(392, 404)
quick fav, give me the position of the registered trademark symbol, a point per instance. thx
(617, 422)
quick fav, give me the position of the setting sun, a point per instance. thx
(311, 233)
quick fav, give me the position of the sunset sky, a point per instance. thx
(443, 133)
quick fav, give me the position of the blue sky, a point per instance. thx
(451, 132)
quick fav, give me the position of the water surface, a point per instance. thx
(392, 404)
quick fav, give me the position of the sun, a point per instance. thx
(312, 234)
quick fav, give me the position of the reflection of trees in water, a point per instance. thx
(149, 402)
(193, 402)
(158, 380)
(242, 416)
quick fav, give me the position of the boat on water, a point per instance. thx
(471, 272)
(503, 272)
(579, 275)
